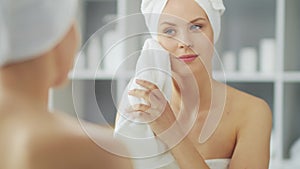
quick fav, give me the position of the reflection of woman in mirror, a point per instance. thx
(38, 42)
(240, 138)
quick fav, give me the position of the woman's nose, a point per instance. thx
(184, 41)
(183, 45)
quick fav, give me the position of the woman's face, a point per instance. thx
(185, 32)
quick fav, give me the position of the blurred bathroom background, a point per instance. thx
(257, 53)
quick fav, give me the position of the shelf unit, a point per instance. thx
(244, 24)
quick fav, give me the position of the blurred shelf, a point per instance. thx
(98, 0)
(290, 164)
(243, 77)
(284, 164)
(229, 77)
(99, 75)
(291, 76)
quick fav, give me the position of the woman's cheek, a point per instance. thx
(203, 44)
(168, 44)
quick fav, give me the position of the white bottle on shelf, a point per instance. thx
(248, 60)
(229, 61)
(80, 61)
(113, 51)
(94, 53)
(295, 151)
(267, 56)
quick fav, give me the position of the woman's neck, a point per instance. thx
(25, 83)
(194, 88)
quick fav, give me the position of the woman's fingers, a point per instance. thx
(144, 112)
(146, 84)
(141, 113)
(153, 90)
(138, 107)
(143, 108)
(138, 112)
(153, 97)
(140, 94)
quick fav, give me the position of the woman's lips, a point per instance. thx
(188, 58)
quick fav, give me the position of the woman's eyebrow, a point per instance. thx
(168, 23)
(199, 18)
(173, 24)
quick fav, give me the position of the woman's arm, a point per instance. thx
(252, 150)
(187, 156)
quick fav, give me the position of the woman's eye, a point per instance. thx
(170, 31)
(195, 27)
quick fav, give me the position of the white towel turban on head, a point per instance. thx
(213, 8)
(31, 27)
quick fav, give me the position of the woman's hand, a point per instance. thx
(165, 125)
(157, 112)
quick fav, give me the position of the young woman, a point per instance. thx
(38, 42)
(241, 137)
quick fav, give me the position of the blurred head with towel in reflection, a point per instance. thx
(38, 42)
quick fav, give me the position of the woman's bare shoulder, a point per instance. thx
(252, 118)
(245, 101)
(60, 141)
(79, 144)
(247, 106)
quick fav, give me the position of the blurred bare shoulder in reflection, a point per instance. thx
(37, 57)
(36, 140)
